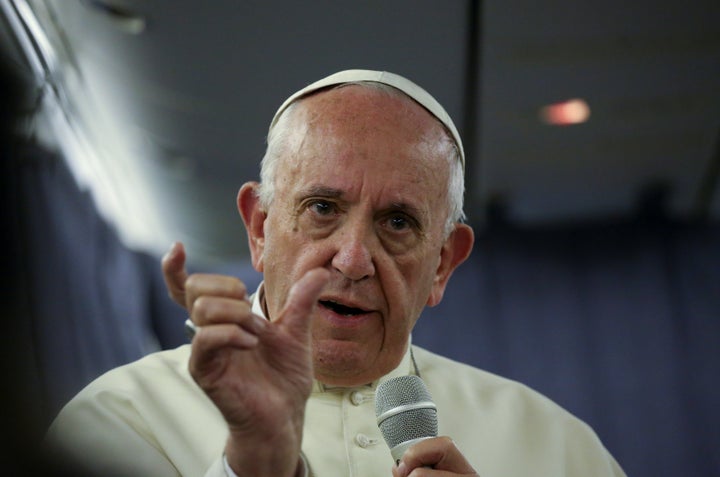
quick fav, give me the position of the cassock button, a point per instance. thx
(362, 440)
(357, 398)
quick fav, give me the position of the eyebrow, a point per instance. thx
(322, 191)
(403, 207)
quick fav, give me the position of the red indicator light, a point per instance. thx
(572, 111)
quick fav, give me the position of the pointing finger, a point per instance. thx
(174, 273)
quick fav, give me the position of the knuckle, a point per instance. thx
(220, 285)
(202, 306)
(192, 281)
(236, 287)
(205, 343)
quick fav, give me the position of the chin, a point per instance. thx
(342, 363)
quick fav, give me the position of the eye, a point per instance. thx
(319, 216)
(400, 232)
(399, 222)
(322, 207)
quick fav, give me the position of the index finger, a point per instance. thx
(174, 273)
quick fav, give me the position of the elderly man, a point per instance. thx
(356, 227)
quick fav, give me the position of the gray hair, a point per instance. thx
(277, 140)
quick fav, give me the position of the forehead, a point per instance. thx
(375, 134)
(371, 103)
(361, 122)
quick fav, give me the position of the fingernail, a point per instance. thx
(402, 470)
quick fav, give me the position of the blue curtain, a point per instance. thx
(617, 322)
(88, 303)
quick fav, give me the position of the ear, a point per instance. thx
(253, 216)
(455, 250)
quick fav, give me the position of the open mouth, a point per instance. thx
(342, 309)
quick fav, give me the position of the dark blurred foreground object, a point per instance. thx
(21, 423)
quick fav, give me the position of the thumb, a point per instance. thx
(301, 300)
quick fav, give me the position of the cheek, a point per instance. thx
(419, 269)
(419, 278)
(281, 236)
(289, 254)
(279, 258)
(407, 287)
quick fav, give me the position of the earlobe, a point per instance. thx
(455, 250)
(253, 215)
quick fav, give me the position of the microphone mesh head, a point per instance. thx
(409, 424)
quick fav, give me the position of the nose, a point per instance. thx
(354, 258)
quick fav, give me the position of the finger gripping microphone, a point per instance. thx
(405, 413)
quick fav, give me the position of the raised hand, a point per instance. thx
(257, 373)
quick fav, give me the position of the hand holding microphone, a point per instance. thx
(407, 418)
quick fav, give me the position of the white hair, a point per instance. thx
(277, 140)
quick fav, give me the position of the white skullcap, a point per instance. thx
(396, 81)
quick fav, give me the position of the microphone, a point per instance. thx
(405, 413)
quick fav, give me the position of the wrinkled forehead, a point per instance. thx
(370, 124)
(412, 90)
